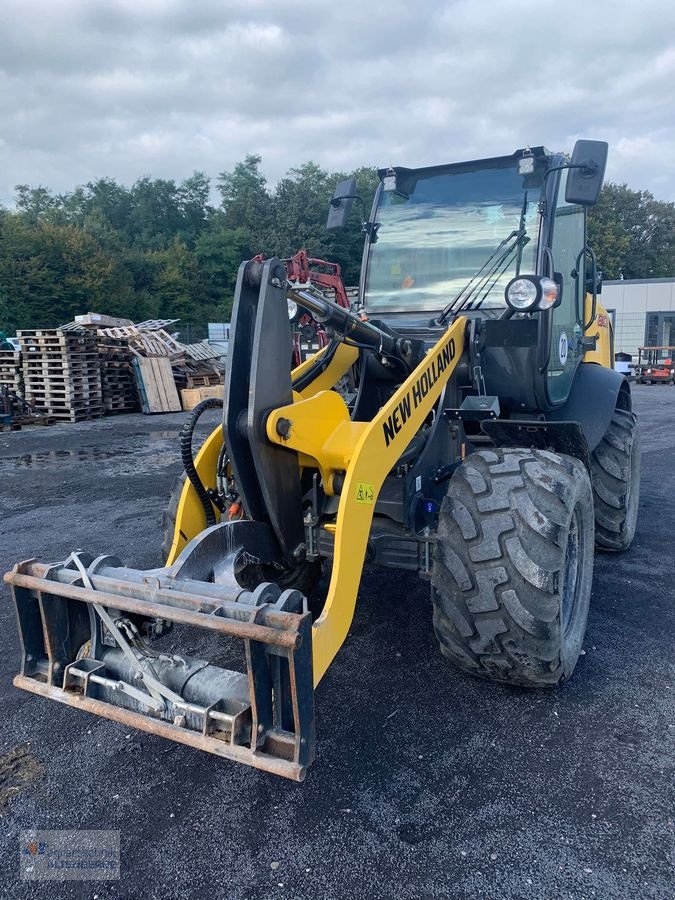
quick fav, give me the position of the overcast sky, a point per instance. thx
(127, 88)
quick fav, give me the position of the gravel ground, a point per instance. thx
(428, 783)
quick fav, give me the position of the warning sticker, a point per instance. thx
(365, 493)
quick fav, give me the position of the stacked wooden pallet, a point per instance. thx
(118, 382)
(142, 343)
(61, 373)
(10, 371)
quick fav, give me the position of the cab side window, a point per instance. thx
(566, 332)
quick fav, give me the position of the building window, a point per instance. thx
(660, 329)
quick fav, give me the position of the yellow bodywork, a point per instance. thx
(600, 327)
(360, 454)
(190, 518)
(363, 453)
(367, 451)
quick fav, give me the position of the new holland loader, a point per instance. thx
(488, 446)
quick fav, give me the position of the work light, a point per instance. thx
(525, 293)
(293, 310)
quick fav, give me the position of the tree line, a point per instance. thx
(161, 249)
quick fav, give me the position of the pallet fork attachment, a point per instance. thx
(79, 620)
(81, 646)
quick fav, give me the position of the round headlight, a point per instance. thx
(522, 294)
(649, 371)
(292, 309)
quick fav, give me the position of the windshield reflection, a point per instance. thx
(432, 242)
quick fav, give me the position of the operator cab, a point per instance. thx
(449, 240)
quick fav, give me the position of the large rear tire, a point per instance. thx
(615, 472)
(513, 566)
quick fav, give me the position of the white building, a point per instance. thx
(642, 311)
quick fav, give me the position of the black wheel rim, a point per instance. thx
(571, 574)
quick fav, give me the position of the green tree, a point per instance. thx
(179, 284)
(51, 272)
(193, 203)
(632, 234)
(35, 204)
(245, 201)
(219, 252)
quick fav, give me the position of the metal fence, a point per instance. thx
(191, 333)
(629, 332)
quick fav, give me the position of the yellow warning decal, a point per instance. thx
(365, 493)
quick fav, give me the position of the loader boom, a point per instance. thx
(365, 452)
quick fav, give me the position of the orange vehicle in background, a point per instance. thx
(655, 365)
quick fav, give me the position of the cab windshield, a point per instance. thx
(439, 228)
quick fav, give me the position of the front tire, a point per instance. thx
(615, 472)
(513, 566)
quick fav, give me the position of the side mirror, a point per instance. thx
(586, 173)
(589, 281)
(341, 204)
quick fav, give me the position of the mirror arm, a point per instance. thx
(336, 201)
(589, 169)
(368, 228)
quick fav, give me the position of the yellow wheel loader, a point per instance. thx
(488, 446)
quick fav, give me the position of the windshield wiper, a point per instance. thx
(496, 259)
(516, 250)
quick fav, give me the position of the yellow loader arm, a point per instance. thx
(323, 434)
(190, 519)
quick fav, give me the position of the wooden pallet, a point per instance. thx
(78, 415)
(204, 379)
(61, 373)
(156, 385)
(35, 419)
(190, 397)
(10, 371)
(202, 350)
(120, 393)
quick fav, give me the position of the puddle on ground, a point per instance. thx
(51, 457)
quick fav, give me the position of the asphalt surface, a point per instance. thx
(428, 783)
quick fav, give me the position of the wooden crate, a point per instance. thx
(156, 386)
(190, 397)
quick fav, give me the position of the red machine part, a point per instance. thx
(303, 268)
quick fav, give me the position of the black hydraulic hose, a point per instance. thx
(344, 323)
(187, 458)
(317, 368)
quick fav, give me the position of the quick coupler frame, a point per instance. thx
(81, 645)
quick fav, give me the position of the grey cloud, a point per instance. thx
(163, 87)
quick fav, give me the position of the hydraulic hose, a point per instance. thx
(187, 458)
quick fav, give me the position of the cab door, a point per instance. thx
(567, 242)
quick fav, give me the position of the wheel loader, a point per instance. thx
(488, 446)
